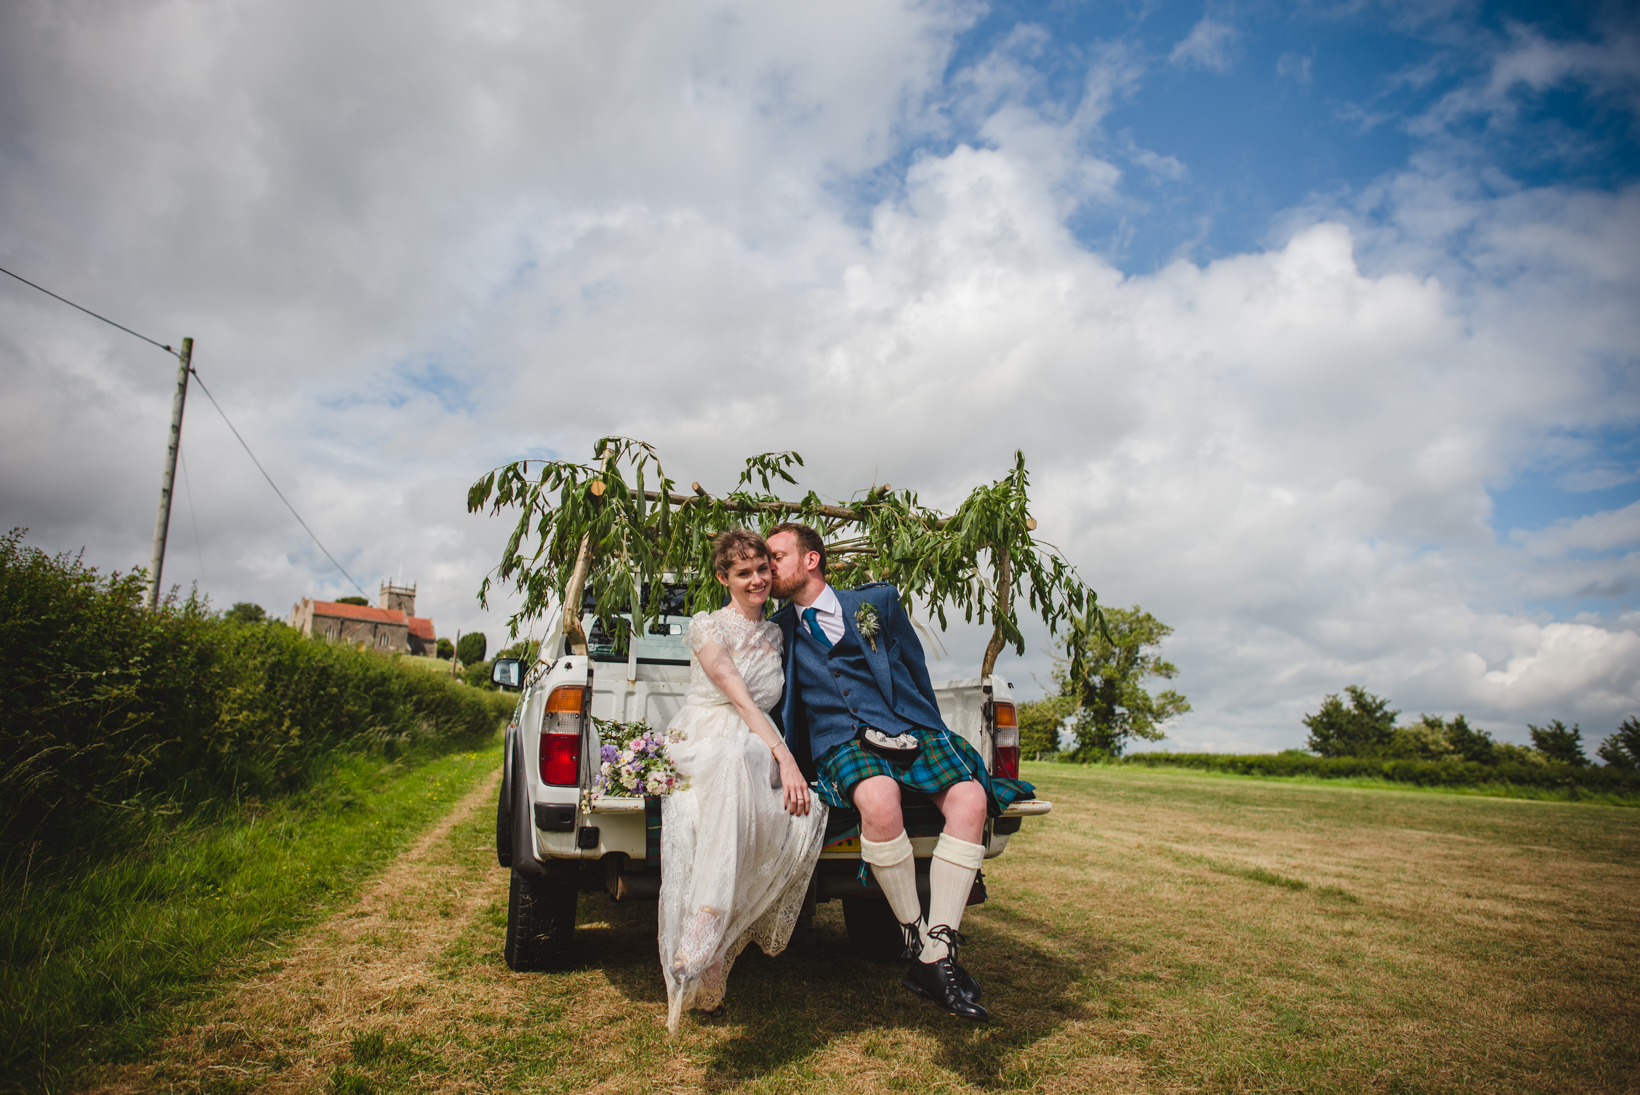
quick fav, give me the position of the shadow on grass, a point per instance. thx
(785, 1009)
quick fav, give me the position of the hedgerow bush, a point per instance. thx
(111, 712)
(1426, 773)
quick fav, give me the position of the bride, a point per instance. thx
(739, 842)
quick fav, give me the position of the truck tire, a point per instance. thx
(503, 832)
(540, 923)
(872, 930)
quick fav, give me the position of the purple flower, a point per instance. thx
(608, 753)
(640, 788)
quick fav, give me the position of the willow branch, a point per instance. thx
(1005, 606)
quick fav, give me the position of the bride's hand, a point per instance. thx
(794, 788)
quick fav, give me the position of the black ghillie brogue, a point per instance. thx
(953, 939)
(938, 981)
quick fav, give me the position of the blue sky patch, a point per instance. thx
(1268, 107)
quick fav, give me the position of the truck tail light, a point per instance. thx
(561, 736)
(1005, 742)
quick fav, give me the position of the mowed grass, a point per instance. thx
(1161, 931)
(100, 962)
(424, 663)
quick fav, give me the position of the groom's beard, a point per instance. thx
(783, 588)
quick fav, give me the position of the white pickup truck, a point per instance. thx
(559, 840)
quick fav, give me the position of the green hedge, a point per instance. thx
(110, 712)
(1425, 773)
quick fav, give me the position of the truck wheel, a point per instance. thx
(503, 832)
(872, 930)
(540, 923)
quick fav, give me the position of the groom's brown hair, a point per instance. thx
(807, 540)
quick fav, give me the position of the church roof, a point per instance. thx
(358, 612)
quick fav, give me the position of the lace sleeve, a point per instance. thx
(704, 629)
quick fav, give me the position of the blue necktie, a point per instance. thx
(815, 629)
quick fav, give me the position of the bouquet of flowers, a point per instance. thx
(632, 761)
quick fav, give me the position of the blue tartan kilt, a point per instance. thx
(945, 761)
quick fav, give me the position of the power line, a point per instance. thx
(195, 373)
(87, 311)
(271, 483)
(193, 511)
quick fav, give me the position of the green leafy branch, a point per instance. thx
(620, 523)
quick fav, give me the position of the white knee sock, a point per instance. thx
(896, 873)
(950, 878)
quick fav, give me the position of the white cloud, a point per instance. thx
(1597, 532)
(1532, 62)
(1296, 67)
(414, 247)
(1211, 44)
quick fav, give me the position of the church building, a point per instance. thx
(391, 627)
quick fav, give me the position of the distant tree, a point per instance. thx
(1104, 675)
(1425, 739)
(1039, 724)
(355, 600)
(446, 649)
(1471, 742)
(477, 674)
(1559, 744)
(246, 613)
(525, 650)
(1435, 738)
(470, 650)
(1365, 728)
(1507, 752)
(1622, 749)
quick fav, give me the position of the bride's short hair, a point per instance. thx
(728, 548)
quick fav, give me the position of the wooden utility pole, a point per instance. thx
(162, 520)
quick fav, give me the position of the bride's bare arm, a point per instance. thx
(714, 658)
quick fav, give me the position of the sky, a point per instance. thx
(1316, 322)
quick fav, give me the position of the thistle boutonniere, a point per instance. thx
(865, 618)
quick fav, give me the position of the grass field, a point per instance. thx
(1161, 931)
(428, 665)
(98, 964)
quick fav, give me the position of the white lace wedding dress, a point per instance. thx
(734, 864)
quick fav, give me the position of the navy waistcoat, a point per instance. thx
(839, 692)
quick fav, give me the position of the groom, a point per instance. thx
(852, 662)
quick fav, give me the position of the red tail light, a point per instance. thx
(561, 759)
(1005, 743)
(561, 736)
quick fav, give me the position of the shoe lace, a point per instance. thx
(950, 936)
(913, 940)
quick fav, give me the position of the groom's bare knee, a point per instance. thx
(878, 800)
(963, 805)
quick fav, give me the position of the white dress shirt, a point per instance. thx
(828, 613)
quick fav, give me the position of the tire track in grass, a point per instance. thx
(288, 1026)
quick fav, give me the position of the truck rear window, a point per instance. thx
(662, 642)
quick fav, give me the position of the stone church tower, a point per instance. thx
(398, 598)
